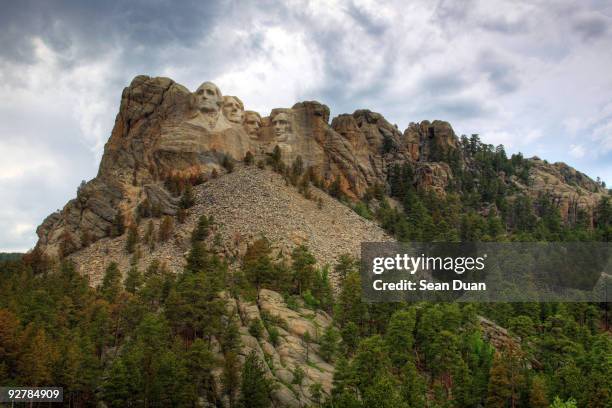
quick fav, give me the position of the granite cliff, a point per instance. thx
(165, 132)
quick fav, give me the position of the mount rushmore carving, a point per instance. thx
(165, 131)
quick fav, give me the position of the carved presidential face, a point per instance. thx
(252, 123)
(281, 125)
(233, 109)
(208, 98)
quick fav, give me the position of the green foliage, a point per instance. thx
(400, 337)
(256, 328)
(228, 163)
(275, 160)
(187, 198)
(111, 283)
(202, 228)
(249, 159)
(133, 280)
(303, 268)
(256, 388)
(329, 344)
(558, 403)
(132, 239)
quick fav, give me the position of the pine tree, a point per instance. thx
(346, 263)
(165, 228)
(111, 283)
(383, 393)
(257, 265)
(187, 198)
(36, 357)
(537, 394)
(329, 344)
(118, 227)
(202, 229)
(303, 267)
(371, 362)
(200, 363)
(249, 159)
(132, 239)
(230, 378)
(255, 388)
(133, 280)
(400, 337)
(413, 386)
(350, 307)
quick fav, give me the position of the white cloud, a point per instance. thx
(577, 151)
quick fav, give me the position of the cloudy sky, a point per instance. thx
(533, 75)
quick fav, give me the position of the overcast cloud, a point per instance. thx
(533, 75)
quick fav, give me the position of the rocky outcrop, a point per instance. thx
(165, 132)
(571, 191)
(430, 141)
(291, 349)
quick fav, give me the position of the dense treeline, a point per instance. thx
(480, 204)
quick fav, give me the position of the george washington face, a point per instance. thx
(208, 98)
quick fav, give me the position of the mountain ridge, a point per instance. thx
(165, 136)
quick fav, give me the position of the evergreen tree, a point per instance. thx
(383, 393)
(370, 363)
(413, 387)
(346, 263)
(132, 239)
(255, 388)
(165, 228)
(257, 264)
(303, 267)
(118, 227)
(537, 394)
(187, 198)
(202, 229)
(329, 344)
(400, 337)
(111, 283)
(249, 159)
(133, 280)
(200, 363)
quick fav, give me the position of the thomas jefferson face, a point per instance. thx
(233, 109)
(281, 125)
(252, 123)
(208, 98)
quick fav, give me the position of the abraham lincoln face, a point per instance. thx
(282, 126)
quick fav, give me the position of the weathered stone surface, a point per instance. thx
(570, 190)
(163, 130)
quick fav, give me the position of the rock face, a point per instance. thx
(165, 132)
(571, 190)
(292, 349)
